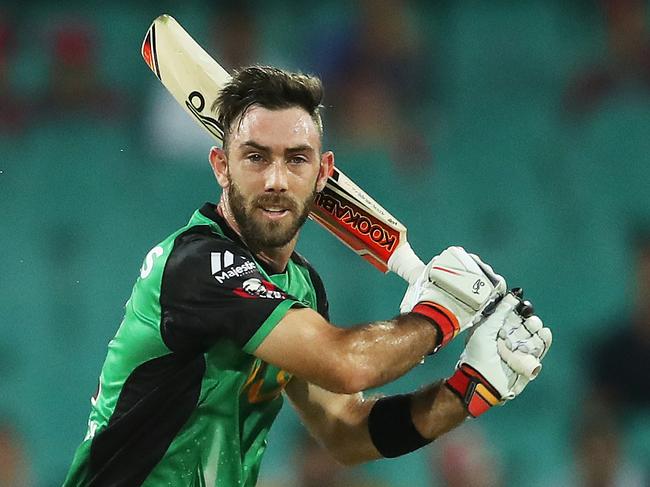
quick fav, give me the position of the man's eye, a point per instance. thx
(255, 158)
(298, 160)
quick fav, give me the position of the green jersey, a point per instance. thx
(182, 400)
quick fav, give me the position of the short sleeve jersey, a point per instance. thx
(182, 400)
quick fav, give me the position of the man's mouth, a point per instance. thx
(275, 212)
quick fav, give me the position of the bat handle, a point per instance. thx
(405, 263)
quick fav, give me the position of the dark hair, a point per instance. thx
(271, 88)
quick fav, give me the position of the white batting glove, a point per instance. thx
(453, 290)
(522, 346)
(502, 355)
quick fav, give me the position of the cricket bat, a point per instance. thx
(194, 79)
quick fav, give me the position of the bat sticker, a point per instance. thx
(196, 103)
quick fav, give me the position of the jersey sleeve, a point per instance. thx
(212, 290)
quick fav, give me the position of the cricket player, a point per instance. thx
(225, 317)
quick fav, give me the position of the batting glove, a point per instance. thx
(502, 355)
(522, 345)
(453, 290)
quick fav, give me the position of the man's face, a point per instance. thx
(273, 168)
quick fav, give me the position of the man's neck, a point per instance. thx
(275, 258)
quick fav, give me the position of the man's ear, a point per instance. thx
(326, 168)
(219, 164)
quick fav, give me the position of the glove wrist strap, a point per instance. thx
(445, 321)
(475, 392)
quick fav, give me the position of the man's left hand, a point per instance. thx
(453, 290)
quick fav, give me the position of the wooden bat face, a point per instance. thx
(372, 235)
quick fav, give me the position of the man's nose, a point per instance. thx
(276, 177)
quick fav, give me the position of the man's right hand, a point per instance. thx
(502, 355)
(453, 290)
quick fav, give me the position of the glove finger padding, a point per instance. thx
(460, 285)
(529, 337)
(521, 363)
(481, 356)
(503, 354)
(546, 336)
(522, 348)
(519, 384)
(532, 324)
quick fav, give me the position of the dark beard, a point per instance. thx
(264, 235)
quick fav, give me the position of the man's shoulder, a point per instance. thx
(202, 244)
(203, 235)
(206, 230)
(205, 242)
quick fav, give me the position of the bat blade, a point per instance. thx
(194, 79)
(188, 72)
(357, 220)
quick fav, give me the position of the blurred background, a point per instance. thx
(518, 129)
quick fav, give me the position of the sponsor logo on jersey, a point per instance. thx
(223, 268)
(257, 288)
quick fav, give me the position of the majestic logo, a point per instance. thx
(220, 261)
(477, 286)
(257, 288)
(222, 266)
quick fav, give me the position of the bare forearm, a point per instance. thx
(385, 350)
(341, 422)
(435, 410)
(347, 360)
(338, 421)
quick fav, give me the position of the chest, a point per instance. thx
(235, 379)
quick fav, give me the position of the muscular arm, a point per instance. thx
(347, 360)
(340, 421)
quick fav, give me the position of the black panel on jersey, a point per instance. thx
(199, 305)
(155, 402)
(209, 210)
